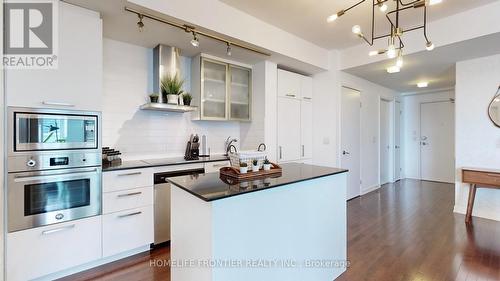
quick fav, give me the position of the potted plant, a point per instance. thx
(243, 168)
(255, 165)
(187, 98)
(154, 97)
(267, 165)
(171, 88)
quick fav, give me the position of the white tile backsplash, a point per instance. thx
(139, 133)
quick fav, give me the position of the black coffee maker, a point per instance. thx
(192, 148)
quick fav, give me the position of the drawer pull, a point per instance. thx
(494, 175)
(307, 98)
(290, 95)
(58, 103)
(46, 232)
(129, 215)
(129, 194)
(219, 165)
(130, 174)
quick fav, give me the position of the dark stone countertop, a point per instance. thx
(211, 186)
(125, 165)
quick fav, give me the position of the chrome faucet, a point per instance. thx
(227, 145)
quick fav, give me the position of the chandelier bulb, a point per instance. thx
(429, 46)
(391, 51)
(382, 7)
(356, 30)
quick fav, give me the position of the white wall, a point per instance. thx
(139, 134)
(370, 127)
(411, 129)
(477, 139)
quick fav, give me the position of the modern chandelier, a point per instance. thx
(395, 43)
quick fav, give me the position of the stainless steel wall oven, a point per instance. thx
(54, 166)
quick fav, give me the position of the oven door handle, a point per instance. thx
(58, 175)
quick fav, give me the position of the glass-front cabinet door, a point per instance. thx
(214, 90)
(240, 89)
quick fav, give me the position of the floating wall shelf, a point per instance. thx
(168, 107)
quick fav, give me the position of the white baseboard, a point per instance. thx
(93, 264)
(370, 189)
(477, 212)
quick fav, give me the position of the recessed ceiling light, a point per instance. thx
(423, 84)
(393, 69)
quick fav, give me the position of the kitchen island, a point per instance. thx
(290, 226)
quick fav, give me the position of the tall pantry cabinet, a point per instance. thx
(294, 117)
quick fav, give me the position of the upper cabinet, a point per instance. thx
(222, 91)
(289, 84)
(77, 82)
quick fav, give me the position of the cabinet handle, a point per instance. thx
(307, 98)
(281, 153)
(129, 215)
(129, 194)
(219, 165)
(303, 151)
(290, 95)
(58, 103)
(130, 174)
(46, 232)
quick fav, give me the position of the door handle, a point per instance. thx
(281, 152)
(58, 229)
(303, 153)
(129, 215)
(424, 143)
(130, 174)
(129, 194)
(345, 153)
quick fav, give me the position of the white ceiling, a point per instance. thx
(437, 67)
(307, 18)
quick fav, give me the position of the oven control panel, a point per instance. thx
(38, 162)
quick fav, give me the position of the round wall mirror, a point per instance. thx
(494, 109)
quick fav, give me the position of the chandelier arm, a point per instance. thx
(353, 6)
(425, 25)
(409, 4)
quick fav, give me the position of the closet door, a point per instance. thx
(289, 144)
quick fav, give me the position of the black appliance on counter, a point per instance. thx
(193, 148)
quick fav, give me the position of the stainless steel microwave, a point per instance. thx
(35, 129)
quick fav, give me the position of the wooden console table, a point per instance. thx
(478, 178)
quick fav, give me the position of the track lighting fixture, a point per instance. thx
(228, 50)
(140, 24)
(195, 41)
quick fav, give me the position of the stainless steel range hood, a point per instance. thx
(166, 61)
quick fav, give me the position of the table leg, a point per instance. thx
(470, 204)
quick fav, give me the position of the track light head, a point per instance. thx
(195, 42)
(228, 50)
(140, 24)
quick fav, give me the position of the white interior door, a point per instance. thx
(437, 141)
(397, 141)
(350, 139)
(385, 144)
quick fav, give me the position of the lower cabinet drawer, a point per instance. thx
(126, 199)
(127, 230)
(44, 250)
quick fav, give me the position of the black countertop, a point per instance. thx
(125, 165)
(211, 186)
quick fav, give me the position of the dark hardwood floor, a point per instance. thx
(404, 231)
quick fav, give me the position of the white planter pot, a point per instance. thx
(255, 168)
(173, 99)
(243, 170)
(267, 167)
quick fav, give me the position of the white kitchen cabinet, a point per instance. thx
(306, 88)
(289, 84)
(77, 82)
(44, 250)
(214, 167)
(221, 90)
(126, 199)
(127, 179)
(127, 230)
(306, 124)
(295, 117)
(289, 145)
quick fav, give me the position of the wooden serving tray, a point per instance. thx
(235, 173)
